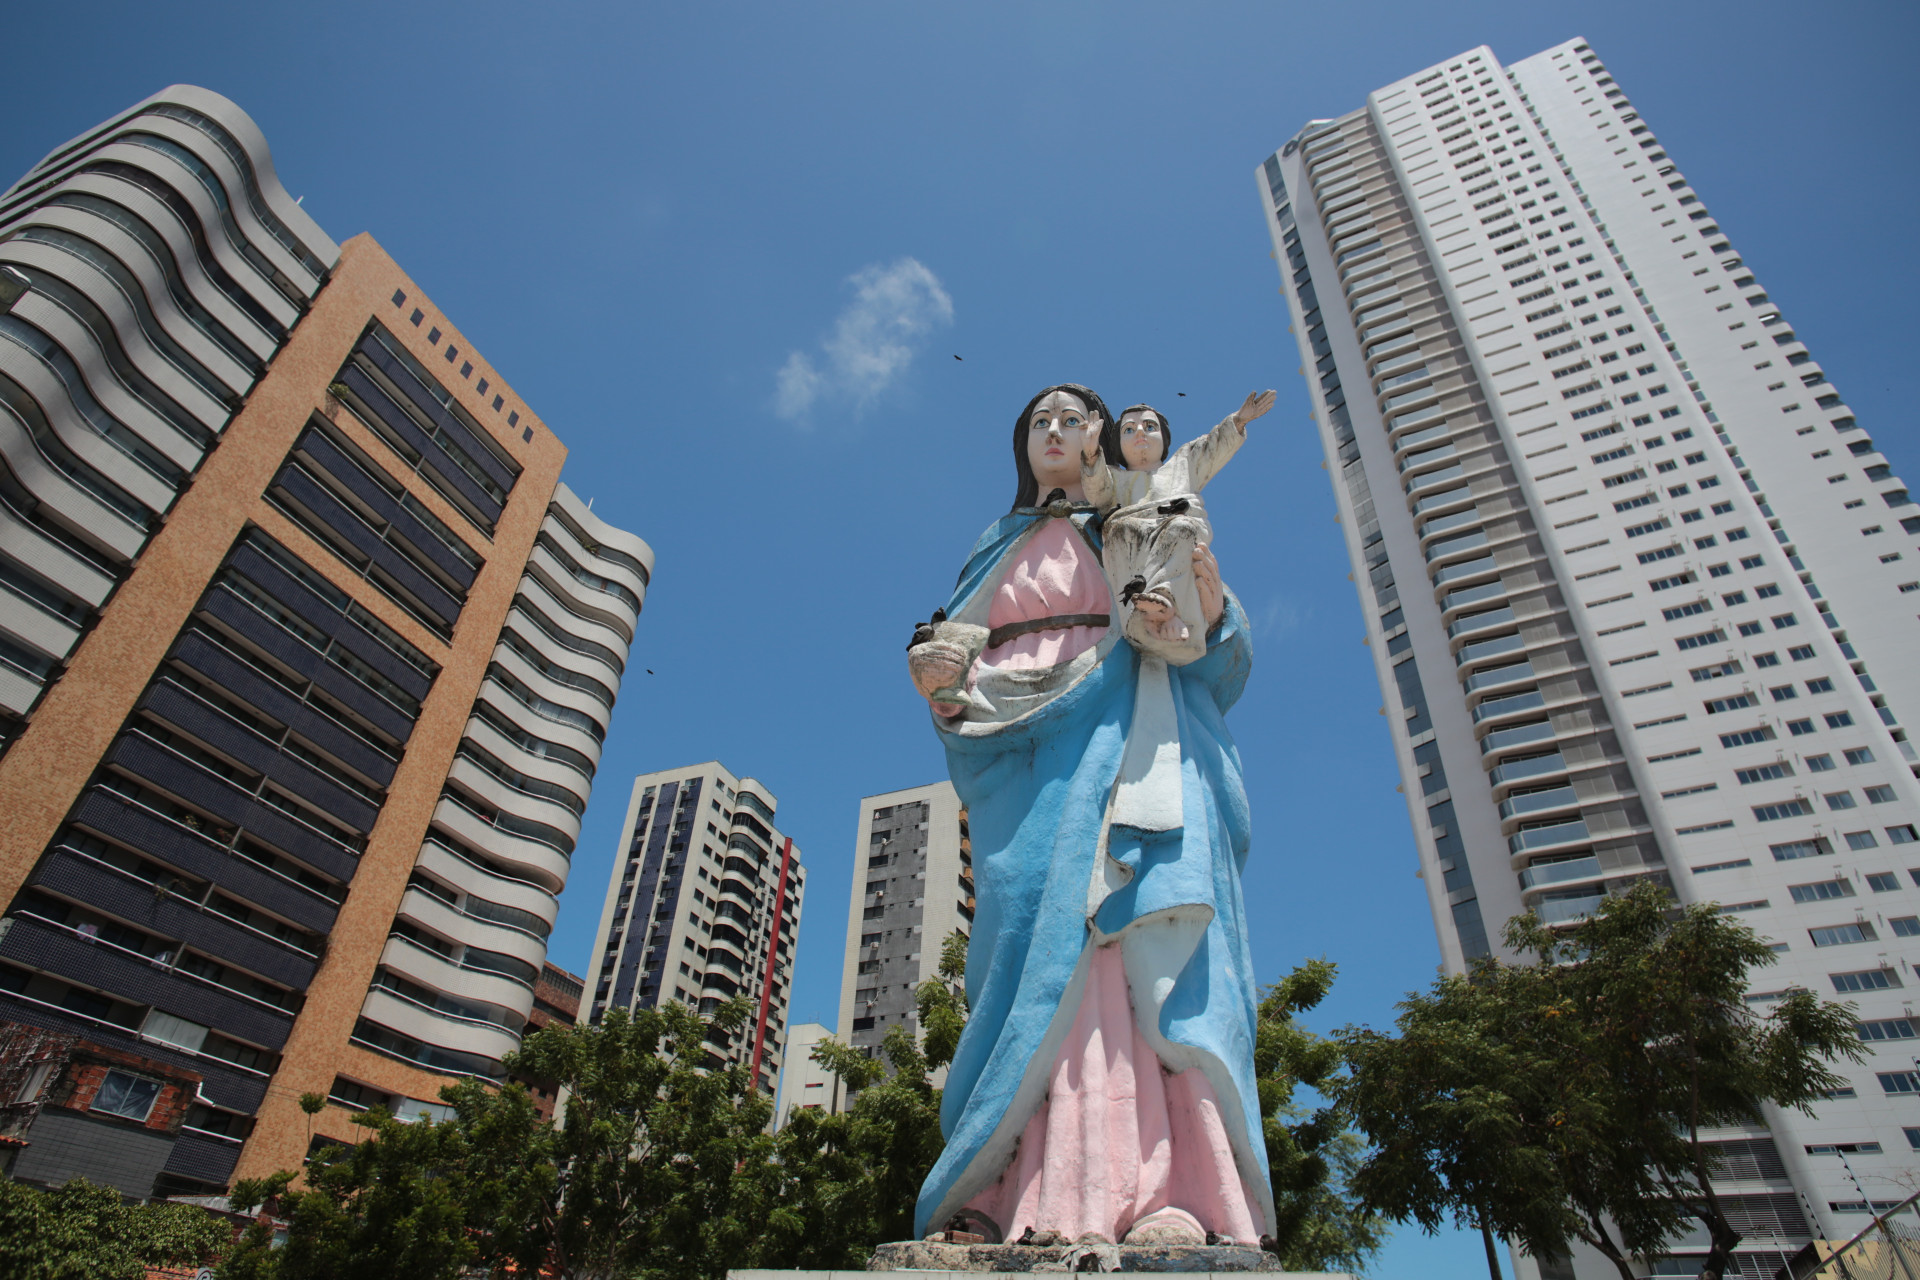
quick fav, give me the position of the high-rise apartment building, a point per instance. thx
(703, 905)
(912, 888)
(306, 657)
(1670, 599)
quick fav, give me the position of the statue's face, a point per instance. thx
(1143, 441)
(1055, 436)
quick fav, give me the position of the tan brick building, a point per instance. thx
(306, 654)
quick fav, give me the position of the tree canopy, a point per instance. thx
(1562, 1097)
(81, 1231)
(663, 1167)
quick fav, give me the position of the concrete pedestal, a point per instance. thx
(937, 1260)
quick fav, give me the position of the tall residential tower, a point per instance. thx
(305, 663)
(1668, 616)
(703, 905)
(912, 888)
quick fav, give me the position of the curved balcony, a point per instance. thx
(1425, 458)
(82, 288)
(517, 712)
(1435, 479)
(1487, 650)
(1539, 839)
(731, 889)
(412, 961)
(1528, 804)
(561, 647)
(1539, 875)
(1466, 597)
(1400, 379)
(481, 784)
(550, 689)
(447, 921)
(1473, 623)
(1577, 906)
(1527, 767)
(590, 633)
(1518, 735)
(1512, 704)
(539, 862)
(1461, 544)
(1465, 571)
(1440, 501)
(1448, 523)
(1498, 678)
(517, 757)
(112, 251)
(450, 868)
(434, 1027)
(561, 581)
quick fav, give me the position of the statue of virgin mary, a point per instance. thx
(1104, 1087)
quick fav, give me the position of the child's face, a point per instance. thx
(1143, 442)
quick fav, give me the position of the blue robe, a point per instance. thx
(1036, 788)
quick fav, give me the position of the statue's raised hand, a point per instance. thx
(1256, 404)
(1090, 437)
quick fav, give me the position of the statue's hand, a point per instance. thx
(934, 667)
(1255, 405)
(1206, 580)
(1090, 438)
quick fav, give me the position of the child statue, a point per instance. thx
(1154, 519)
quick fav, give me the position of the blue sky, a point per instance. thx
(644, 213)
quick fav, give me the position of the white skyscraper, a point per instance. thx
(1669, 613)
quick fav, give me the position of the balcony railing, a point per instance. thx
(1544, 837)
(1500, 739)
(1522, 670)
(1479, 622)
(1562, 910)
(1536, 801)
(1559, 872)
(1530, 767)
(1523, 701)
(1465, 569)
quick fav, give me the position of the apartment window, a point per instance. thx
(1840, 935)
(1839, 719)
(1819, 763)
(1747, 737)
(1879, 795)
(1783, 692)
(1799, 727)
(1905, 926)
(1859, 840)
(1795, 808)
(127, 1096)
(1823, 891)
(1734, 703)
(1782, 621)
(1882, 881)
(1864, 980)
(1763, 773)
(1766, 659)
(1840, 800)
(1899, 1081)
(1903, 834)
(1800, 652)
(1750, 628)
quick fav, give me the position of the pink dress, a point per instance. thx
(1119, 1136)
(1056, 574)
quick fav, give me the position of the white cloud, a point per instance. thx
(893, 308)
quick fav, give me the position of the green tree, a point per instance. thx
(1562, 1098)
(81, 1231)
(660, 1168)
(394, 1205)
(1311, 1154)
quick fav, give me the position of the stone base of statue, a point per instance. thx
(928, 1259)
